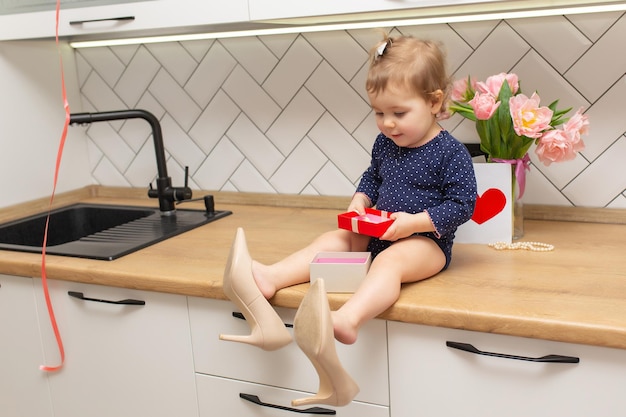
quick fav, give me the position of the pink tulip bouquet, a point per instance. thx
(508, 122)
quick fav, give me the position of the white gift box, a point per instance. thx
(492, 220)
(341, 271)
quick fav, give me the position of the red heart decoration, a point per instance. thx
(488, 205)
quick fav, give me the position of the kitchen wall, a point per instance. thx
(31, 122)
(288, 114)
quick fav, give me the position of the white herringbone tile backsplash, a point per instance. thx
(288, 114)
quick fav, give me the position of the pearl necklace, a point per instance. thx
(531, 246)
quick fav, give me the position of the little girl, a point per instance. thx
(418, 172)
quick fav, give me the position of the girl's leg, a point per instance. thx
(407, 260)
(249, 288)
(294, 269)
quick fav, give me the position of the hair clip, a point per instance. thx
(380, 50)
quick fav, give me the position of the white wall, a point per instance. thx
(288, 114)
(31, 122)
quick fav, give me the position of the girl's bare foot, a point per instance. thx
(346, 332)
(259, 273)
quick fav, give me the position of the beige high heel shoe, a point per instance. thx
(267, 329)
(313, 331)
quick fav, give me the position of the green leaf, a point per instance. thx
(463, 109)
(495, 141)
(470, 92)
(558, 117)
(505, 92)
(483, 133)
(505, 124)
(552, 106)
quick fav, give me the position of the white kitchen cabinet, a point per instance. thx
(124, 19)
(429, 379)
(121, 359)
(26, 6)
(284, 374)
(223, 397)
(23, 387)
(281, 9)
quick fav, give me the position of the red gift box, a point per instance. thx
(373, 223)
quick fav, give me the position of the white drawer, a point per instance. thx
(425, 374)
(365, 361)
(221, 397)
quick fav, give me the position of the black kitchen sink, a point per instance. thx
(99, 231)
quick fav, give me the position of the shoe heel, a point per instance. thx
(267, 329)
(313, 331)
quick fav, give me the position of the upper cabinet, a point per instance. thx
(287, 9)
(121, 19)
(28, 6)
(102, 19)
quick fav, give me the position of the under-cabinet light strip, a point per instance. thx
(356, 25)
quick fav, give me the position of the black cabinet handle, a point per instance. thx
(466, 347)
(240, 316)
(113, 19)
(312, 410)
(126, 302)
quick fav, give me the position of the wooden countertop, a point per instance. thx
(577, 293)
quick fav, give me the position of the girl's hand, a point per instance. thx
(406, 224)
(359, 203)
(401, 227)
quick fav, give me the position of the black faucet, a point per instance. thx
(166, 194)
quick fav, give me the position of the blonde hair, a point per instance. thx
(408, 62)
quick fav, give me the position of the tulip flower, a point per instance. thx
(578, 122)
(463, 90)
(484, 106)
(555, 146)
(493, 84)
(529, 119)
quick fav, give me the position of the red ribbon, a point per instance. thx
(521, 166)
(44, 278)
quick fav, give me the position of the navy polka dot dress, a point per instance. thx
(437, 177)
